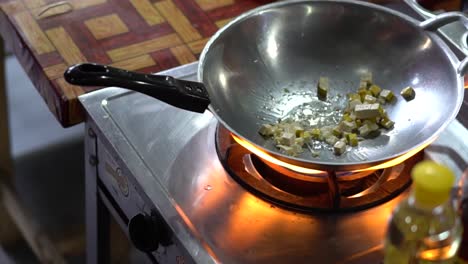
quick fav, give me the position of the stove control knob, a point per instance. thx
(145, 232)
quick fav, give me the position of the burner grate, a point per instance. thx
(328, 191)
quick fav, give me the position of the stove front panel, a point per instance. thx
(170, 154)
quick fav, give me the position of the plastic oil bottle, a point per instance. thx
(425, 228)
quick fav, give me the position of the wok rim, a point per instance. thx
(333, 165)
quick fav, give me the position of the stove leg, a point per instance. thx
(333, 189)
(97, 215)
(97, 228)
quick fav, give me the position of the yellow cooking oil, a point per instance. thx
(425, 228)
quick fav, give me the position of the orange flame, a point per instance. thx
(263, 155)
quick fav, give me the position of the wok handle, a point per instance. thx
(441, 20)
(419, 9)
(437, 21)
(183, 94)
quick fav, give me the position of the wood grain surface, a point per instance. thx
(140, 35)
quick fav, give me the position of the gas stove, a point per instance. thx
(184, 191)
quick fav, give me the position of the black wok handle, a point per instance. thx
(183, 94)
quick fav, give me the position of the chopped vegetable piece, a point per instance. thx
(315, 133)
(266, 130)
(358, 122)
(322, 88)
(354, 96)
(387, 95)
(287, 139)
(286, 90)
(337, 131)
(363, 117)
(375, 90)
(298, 130)
(352, 139)
(288, 150)
(408, 93)
(362, 93)
(339, 147)
(299, 141)
(347, 117)
(364, 111)
(369, 99)
(315, 153)
(367, 77)
(387, 123)
(297, 149)
(382, 111)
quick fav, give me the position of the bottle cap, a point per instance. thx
(432, 183)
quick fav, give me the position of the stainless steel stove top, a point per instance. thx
(169, 155)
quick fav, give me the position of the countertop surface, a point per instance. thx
(142, 35)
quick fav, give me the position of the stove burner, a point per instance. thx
(328, 191)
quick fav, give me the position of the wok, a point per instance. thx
(246, 66)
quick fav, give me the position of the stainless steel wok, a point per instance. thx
(246, 66)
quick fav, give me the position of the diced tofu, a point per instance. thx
(371, 124)
(347, 126)
(326, 131)
(331, 140)
(375, 90)
(364, 111)
(373, 127)
(322, 88)
(364, 130)
(369, 99)
(339, 147)
(367, 77)
(352, 104)
(387, 95)
(287, 139)
(352, 139)
(266, 130)
(381, 101)
(408, 93)
(363, 85)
